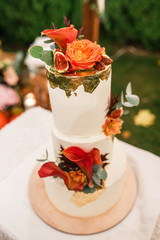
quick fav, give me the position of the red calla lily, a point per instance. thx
(50, 169)
(62, 36)
(85, 160)
(96, 157)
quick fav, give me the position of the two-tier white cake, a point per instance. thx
(84, 171)
(77, 121)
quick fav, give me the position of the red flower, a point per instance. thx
(83, 54)
(50, 169)
(74, 180)
(62, 36)
(84, 160)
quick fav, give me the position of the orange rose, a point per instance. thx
(83, 54)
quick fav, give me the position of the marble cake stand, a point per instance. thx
(79, 225)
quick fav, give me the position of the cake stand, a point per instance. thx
(80, 225)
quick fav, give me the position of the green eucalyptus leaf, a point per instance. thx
(36, 51)
(47, 57)
(122, 98)
(96, 167)
(96, 179)
(101, 173)
(41, 160)
(127, 104)
(87, 189)
(129, 89)
(48, 41)
(133, 99)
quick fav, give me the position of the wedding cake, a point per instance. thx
(85, 166)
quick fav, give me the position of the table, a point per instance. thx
(22, 142)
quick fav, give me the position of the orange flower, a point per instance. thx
(78, 176)
(83, 54)
(62, 36)
(112, 126)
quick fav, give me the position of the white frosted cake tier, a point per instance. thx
(64, 199)
(83, 113)
(102, 142)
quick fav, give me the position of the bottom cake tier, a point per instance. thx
(81, 204)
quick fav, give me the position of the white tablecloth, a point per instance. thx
(22, 142)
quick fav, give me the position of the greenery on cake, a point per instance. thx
(73, 56)
(113, 123)
(80, 170)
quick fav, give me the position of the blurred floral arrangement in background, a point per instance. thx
(14, 87)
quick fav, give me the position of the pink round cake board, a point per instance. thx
(79, 225)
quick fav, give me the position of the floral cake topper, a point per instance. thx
(73, 53)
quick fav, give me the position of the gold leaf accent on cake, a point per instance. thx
(81, 198)
(69, 83)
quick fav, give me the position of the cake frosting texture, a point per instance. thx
(82, 114)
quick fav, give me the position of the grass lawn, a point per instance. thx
(144, 74)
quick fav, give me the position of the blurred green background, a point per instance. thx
(124, 23)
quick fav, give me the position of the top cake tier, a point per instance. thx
(79, 103)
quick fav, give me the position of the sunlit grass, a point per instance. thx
(144, 74)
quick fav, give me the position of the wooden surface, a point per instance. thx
(78, 225)
(91, 21)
